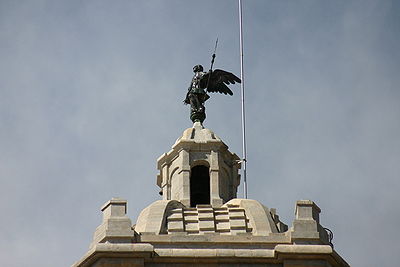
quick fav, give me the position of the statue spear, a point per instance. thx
(212, 61)
(213, 55)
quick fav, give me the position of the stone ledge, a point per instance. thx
(307, 249)
(216, 238)
(313, 251)
(139, 247)
(146, 250)
(142, 250)
(212, 253)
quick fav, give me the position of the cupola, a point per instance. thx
(199, 169)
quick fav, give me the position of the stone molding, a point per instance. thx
(144, 254)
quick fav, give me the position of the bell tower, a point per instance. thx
(200, 221)
(199, 169)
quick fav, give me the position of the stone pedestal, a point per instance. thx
(306, 228)
(116, 226)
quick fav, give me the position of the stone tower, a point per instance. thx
(201, 222)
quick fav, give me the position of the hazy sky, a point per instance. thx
(91, 94)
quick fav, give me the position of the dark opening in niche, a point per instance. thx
(199, 186)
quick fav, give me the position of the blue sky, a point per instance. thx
(91, 94)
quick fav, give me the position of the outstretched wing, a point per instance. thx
(217, 81)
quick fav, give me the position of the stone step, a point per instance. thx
(232, 206)
(206, 219)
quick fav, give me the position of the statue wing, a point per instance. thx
(218, 80)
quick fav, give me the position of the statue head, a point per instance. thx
(197, 68)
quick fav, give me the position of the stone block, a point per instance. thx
(175, 217)
(116, 207)
(163, 252)
(204, 252)
(307, 210)
(236, 214)
(174, 226)
(305, 226)
(190, 211)
(206, 226)
(225, 252)
(190, 227)
(243, 253)
(204, 207)
(238, 224)
(223, 227)
(306, 249)
(265, 253)
(191, 218)
(222, 218)
(179, 252)
(209, 216)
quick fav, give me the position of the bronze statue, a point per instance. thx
(203, 83)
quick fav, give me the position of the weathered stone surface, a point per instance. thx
(153, 245)
(306, 227)
(116, 255)
(224, 232)
(307, 249)
(116, 226)
(153, 218)
(258, 215)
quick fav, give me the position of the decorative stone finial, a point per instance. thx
(306, 227)
(116, 226)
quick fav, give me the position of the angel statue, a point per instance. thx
(203, 83)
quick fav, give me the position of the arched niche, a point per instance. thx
(199, 185)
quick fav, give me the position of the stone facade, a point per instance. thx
(189, 228)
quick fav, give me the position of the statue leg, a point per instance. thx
(194, 102)
(197, 108)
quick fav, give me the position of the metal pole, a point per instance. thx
(244, 149)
